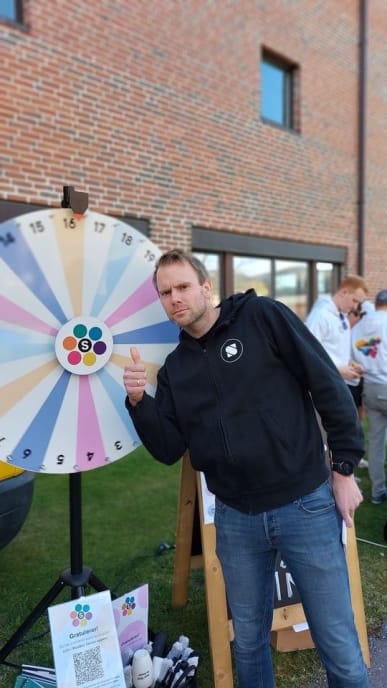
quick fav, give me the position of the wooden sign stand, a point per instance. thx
(219, 625)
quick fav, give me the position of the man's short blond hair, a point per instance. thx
(177, 255)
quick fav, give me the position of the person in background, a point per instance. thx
(354, 316)
(328, 321)
(239, 392)
(369, 348)
(356, 390)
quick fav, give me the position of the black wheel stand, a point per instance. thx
(77, 577)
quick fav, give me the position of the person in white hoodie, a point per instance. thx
(328, 321)
(369, 349)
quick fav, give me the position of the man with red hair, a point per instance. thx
(328, 321)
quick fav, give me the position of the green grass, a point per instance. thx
(128, 509)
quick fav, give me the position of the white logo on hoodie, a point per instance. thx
(231, 350)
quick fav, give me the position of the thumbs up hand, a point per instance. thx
(135, 377)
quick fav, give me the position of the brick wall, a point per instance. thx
(376, 208)
(153, 108)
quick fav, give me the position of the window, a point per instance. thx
(325, 277)
(278, 81)
(252, 273)
(11, 9)
(284, 280)
(291, 285)
(211, 263)
(288, 271)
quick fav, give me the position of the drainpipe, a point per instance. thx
(363, 15)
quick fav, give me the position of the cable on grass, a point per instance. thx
(369, 542)
(163, 547)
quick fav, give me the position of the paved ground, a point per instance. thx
(378, 670)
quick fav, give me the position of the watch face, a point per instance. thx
(343, 467)
(347, 468)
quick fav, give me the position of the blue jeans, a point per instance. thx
(307, 532)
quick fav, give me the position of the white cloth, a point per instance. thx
(367, 306)
(332, 329)
(369, 346)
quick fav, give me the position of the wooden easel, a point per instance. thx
(219, 625)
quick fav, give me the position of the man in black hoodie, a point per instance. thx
(240, 392)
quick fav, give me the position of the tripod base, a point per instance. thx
(77, 583)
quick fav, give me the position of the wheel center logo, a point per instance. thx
(83, 345)
(231, 350)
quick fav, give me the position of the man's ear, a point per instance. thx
(207, 286)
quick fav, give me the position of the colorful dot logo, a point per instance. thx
(81, 615)
(128, 607)
(369, 347)
(83, 345)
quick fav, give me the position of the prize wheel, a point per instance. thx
(75, 293)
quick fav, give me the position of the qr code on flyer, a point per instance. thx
(88, 665)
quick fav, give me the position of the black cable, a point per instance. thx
(162, 547)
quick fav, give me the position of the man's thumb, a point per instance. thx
(135, 354)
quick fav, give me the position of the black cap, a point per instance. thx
(381, 298)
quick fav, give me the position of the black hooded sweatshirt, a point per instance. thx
(242, 400)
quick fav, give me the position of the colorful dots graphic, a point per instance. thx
(128, 606)
(83, 345)
(83, 341)
(368, 347)
(81, 615)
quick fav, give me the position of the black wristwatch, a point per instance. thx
(342, 467)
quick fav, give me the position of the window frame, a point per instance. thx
(18, 14)
(227, 244)
(290, 71)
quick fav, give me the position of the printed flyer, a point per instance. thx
(208, 501)
(85, 643)
(131, 618)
